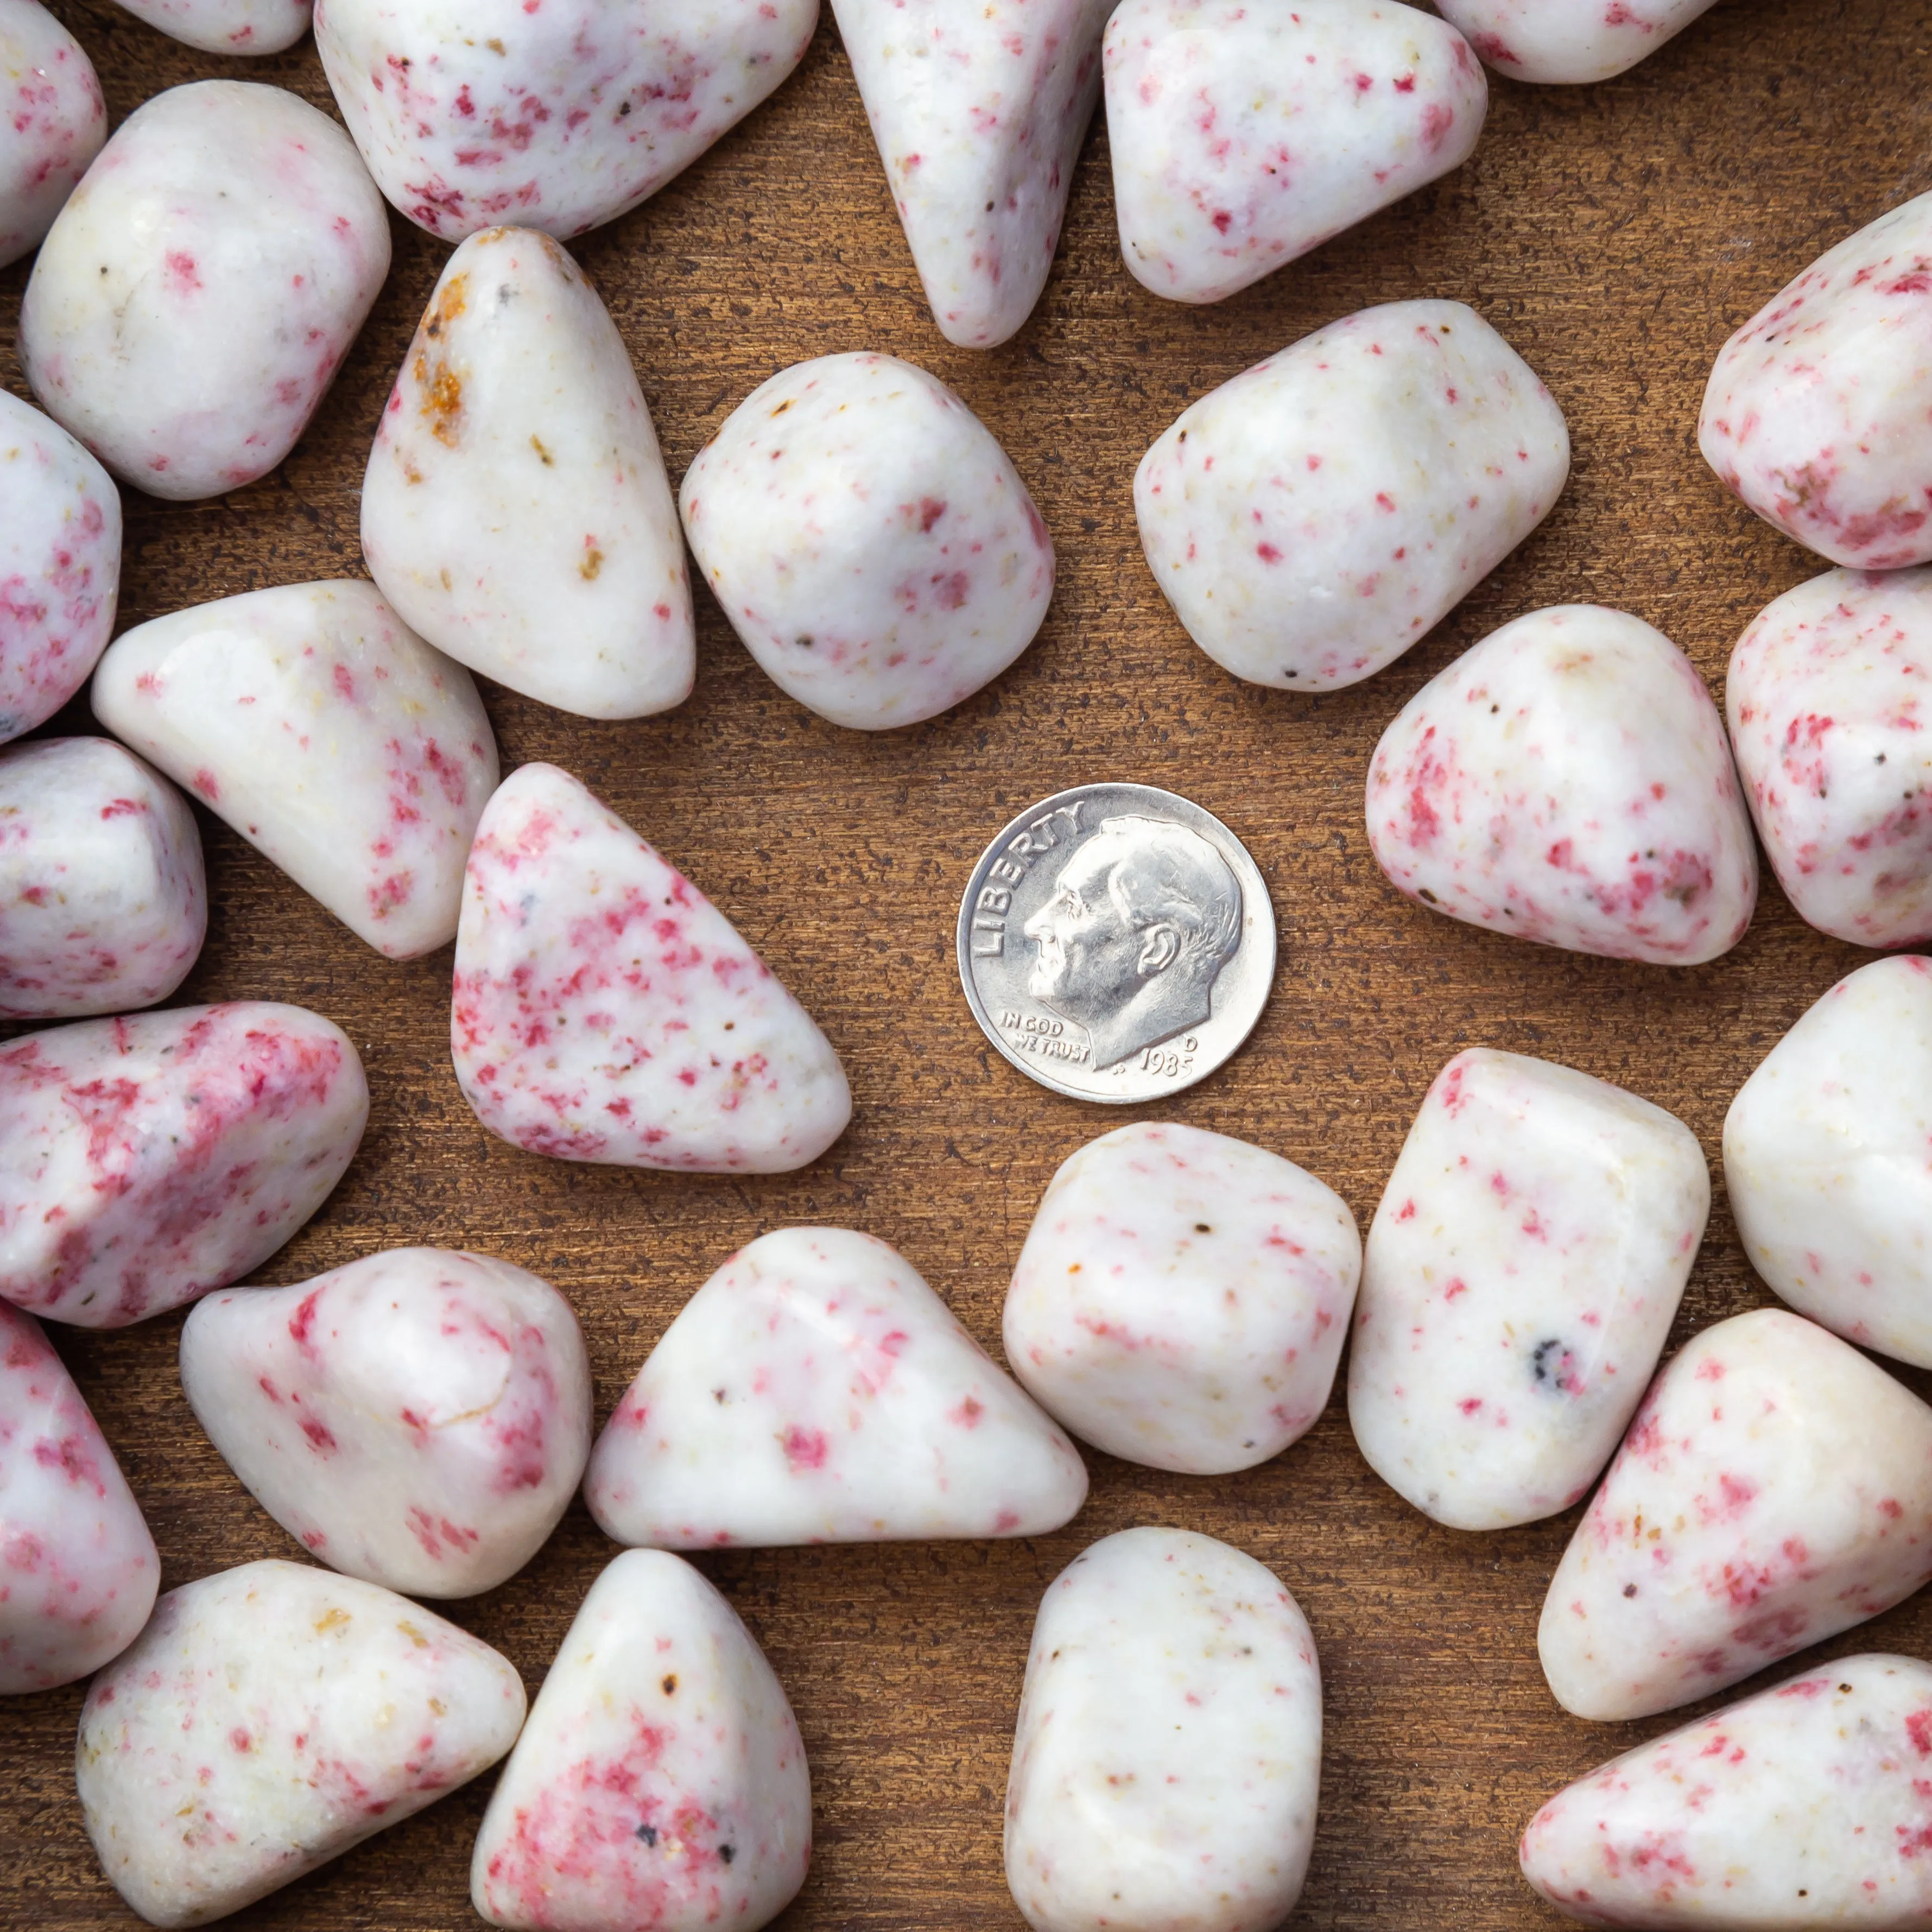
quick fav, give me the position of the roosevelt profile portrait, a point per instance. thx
(1141, 923)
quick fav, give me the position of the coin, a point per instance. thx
(1116, 943)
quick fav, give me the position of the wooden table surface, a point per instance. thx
(1615, 235)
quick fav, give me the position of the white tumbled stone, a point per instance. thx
(515, 511)
(227, 26)
(1803, 1806)
(1182, 1298)
(1774, 1488)
(60, 561)
(1568, 780)
(1314, 517)
(146, 1159)
(660, 1781)
(558, 116)
(104, 897)
(269, 1718)
(1242, 136)
(194, 298)
(979, 114)
(1823, 698)
(1571, 41)
(53, 123)
(1826, 1160)
(604, 1009)
(420, 1418)
(1168, 1756)
(872, 544)
(815, 1390)
(78, 1568)
(327, 734)
(1519, 1278)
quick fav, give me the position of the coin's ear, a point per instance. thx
(1160, 946)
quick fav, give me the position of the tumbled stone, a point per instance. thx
(420, 1418)
(1243, 136)
(516, 511)
(1825, 1160)
(1571, 41)
(54, 123)
(1521, 1275)
(103, 900)
(147, 1160)
(979, 114)
(1182, 1298)
(270, 1718)
(1774, 1488)
(1816, 409)
(1823, 700)
(559, 116)
(227, 26)
(327, 734)
(871, 543)
(1169, 1751)
(78, 1570)
(1805, 1805)
(815, 1389)
(193, 299)
(660, 1780)
(605, 1010)
(1567, 781)
(60, 561)
(1312, 519)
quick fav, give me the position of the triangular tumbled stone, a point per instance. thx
(660, 1780)
(605, 1010)
(1774, 1488)
(268, 1719)
(978, 112)
(516, 511)
(815, 1389)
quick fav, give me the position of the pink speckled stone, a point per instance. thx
(78, 1570)
(1567, 781)
(191, 304)
(104, 901)
(60, 565)
(226, 26)
(605, 1010)
(52, 121)
(144, 1161)
(1775, 1489)
(1242, 136)
(660, 1782)
(1826, 1160)
(1167, 1756)
(1182, 1298)
(1809, 1804)
(1816, 412)
(269, 1718)
(515, 510)
(870, 541)
(1570, 41)
(556, 116)
(980, 113)
(815, 1389)
(420, 1418)
(1823, 699)
(329, 735)
(1521, 1273)
(1312, 519)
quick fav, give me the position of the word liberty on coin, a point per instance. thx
(1117, 942)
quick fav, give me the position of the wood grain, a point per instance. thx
(1615, 235)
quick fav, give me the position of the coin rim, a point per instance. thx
(962, 927)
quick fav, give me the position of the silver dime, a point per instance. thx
(1117, 942)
